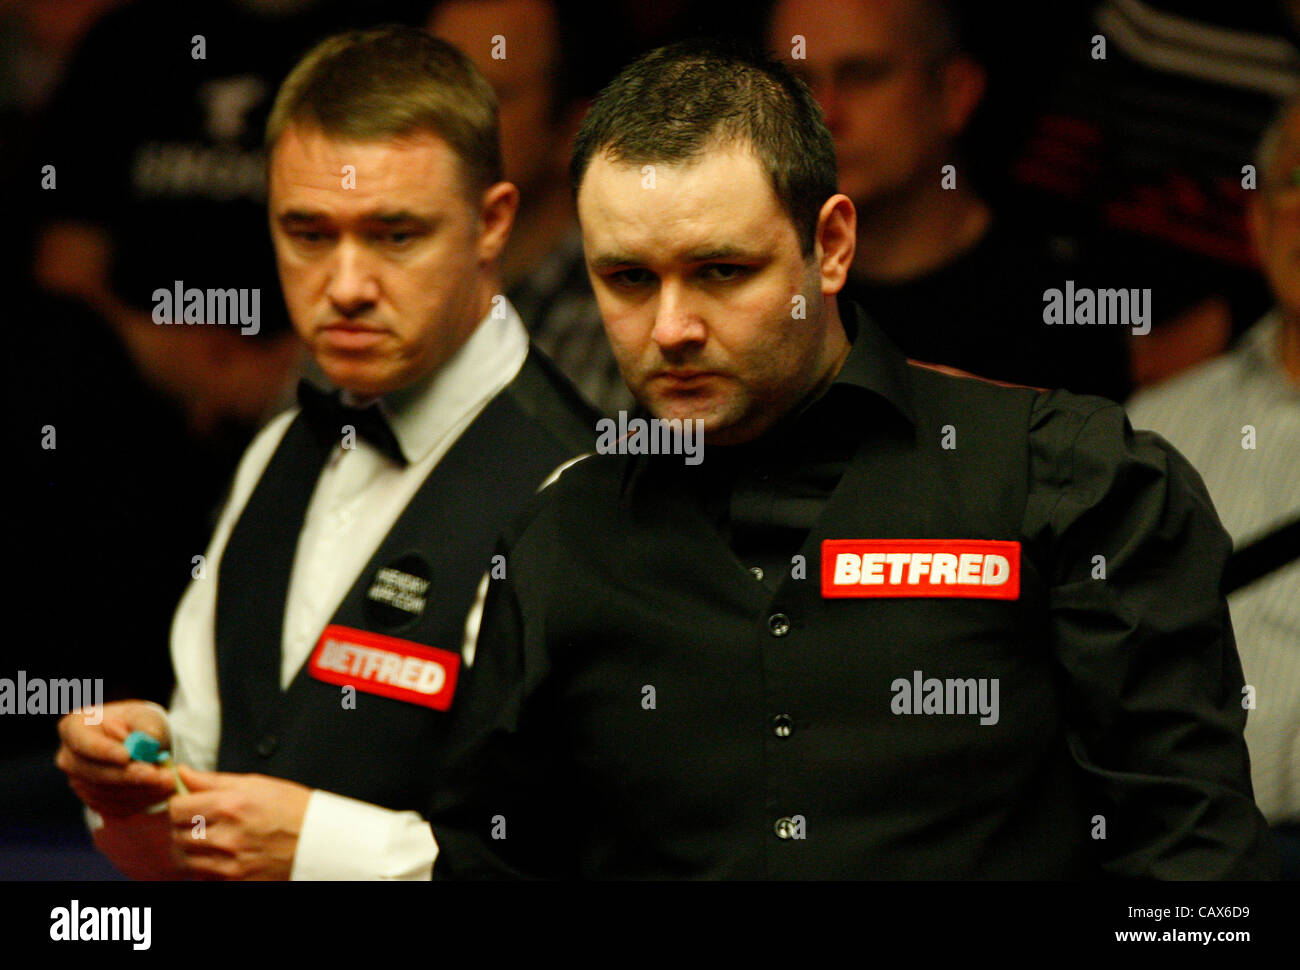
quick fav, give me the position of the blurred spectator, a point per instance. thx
(1237, 419)
(159, 166)
(652, 25)
(36, 40)
(948, 277)
(524, 48)
(1158, 110)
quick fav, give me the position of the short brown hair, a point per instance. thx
(370, 85)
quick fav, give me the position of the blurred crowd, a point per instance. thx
(994, 152)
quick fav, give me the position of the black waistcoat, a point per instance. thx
(446, 533)
(773, 706)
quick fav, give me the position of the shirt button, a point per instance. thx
(783, 725)
(784, 828)
(266, 747)
(779, 624)
(756, 572)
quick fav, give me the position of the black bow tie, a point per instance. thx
(328, 416)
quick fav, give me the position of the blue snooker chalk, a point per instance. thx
(145, 747)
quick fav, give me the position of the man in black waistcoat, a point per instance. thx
(893, 622)
(319, 647)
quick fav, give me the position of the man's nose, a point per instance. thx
(678, 323)
(352, 286)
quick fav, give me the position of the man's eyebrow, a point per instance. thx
(863, 58)
(709, 254)
(401, 216)
(397, 217)
(713, 254)
(614, 261)
(300, 215)
(872, 65)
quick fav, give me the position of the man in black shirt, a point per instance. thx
(897, 623)
(951, 275)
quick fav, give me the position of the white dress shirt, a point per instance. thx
(1237, 420)
(358, 497)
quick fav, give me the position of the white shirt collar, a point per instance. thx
(1260, 351)
(422, 414)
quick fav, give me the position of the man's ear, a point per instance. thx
(836, 240)
(497, 209)
(964, 81)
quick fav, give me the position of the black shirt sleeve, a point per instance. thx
(1143, 637)
(503, 809)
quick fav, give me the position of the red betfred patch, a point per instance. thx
(966, 568)
(377, 664)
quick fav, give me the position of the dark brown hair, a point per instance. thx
(673, 104)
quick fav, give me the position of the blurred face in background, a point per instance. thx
(1275, 218)
(893, 101)
(524, 79)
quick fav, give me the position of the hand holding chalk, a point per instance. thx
(145, 747)
(142, 746)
